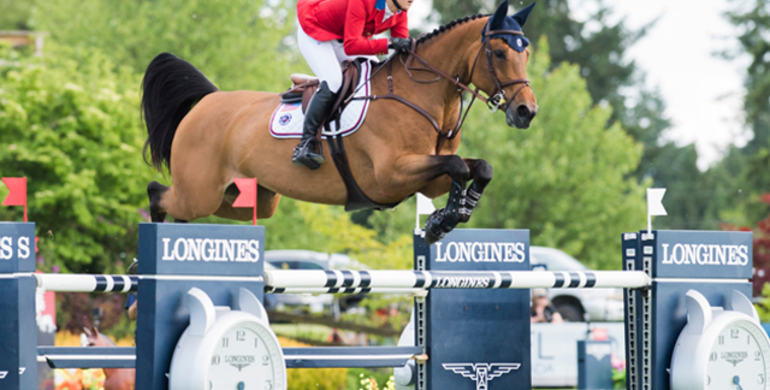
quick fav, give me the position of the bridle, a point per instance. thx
(495, 101)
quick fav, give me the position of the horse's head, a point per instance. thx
(506, 54)
(92, 338)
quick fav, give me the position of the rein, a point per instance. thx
(493, 102)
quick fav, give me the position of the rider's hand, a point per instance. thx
(400, 44)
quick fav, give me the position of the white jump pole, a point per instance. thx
(376, 281)
(295, 279)
(86, 283)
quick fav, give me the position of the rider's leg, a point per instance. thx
(322, 59)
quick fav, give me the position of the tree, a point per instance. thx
(752, 19)
(236, 43)
(567, 177)
(73, 129)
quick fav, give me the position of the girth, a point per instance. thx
(302, 90)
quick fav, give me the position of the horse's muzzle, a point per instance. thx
(521, 116)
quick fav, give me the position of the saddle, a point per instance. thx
(302, 89)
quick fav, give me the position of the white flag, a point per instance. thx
(654, 205)
(424, 204)
(655, 201)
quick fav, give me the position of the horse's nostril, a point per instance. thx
(523, 111)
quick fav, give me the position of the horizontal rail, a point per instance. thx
(380, 279)
(87, 283)
(87, 357)
(375, 281)
(314, 357)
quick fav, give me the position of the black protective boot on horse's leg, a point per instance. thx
(305, 153)
(481, 174)
(444, 220)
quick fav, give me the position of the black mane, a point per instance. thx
(447, 27)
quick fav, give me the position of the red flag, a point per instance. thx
(248, 196)
(17, 193)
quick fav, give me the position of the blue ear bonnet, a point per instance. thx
(501, 21)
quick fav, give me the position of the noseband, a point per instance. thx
(495, 101)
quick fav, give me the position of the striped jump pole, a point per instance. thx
(375, 281)
(279, 281)
(87, 283)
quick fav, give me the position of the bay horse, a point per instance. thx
(115, 378)
(406, 144)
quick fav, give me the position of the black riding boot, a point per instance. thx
(305, 153)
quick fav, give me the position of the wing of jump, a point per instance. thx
(467, 370)
(499, 369)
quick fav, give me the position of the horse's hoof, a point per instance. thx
(436, 227)
(430, 238)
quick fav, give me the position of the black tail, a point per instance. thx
(170, 89)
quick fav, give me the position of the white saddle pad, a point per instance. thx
(287, 119)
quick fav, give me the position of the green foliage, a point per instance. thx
(15, 14)
(73, 129)
(367, 379)
(763, 307)
(299, 225)
(316, 378)
(752, 22)
(236, 43)
(565, 178)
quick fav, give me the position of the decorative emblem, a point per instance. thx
(284, 119)
(239, 361)
(518, 42)
(482, 373)
(734, 357)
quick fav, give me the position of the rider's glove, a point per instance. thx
(400, 44)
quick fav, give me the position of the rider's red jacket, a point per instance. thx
(354, 21)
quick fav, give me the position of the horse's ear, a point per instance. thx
(94, 331)
(498, 19)
(87, 331)
(521, 16)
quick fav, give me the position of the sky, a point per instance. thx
(703, 93)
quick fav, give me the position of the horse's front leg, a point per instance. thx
(438, 173)
(481, 174)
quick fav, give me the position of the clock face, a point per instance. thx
(738, 359)
(244, 359)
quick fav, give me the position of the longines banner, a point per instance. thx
(200, 249)
(695, 254)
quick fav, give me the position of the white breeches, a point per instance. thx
(324, 58)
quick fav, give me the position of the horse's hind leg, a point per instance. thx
(194, 199)
(267, 202)
(156, 190)
(481, 174)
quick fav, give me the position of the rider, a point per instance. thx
(332, 31)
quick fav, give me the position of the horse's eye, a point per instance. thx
(500, 54)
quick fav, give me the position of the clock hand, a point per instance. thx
(737, 382)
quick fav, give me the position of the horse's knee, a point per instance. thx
(482, 173)
(457, 169)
